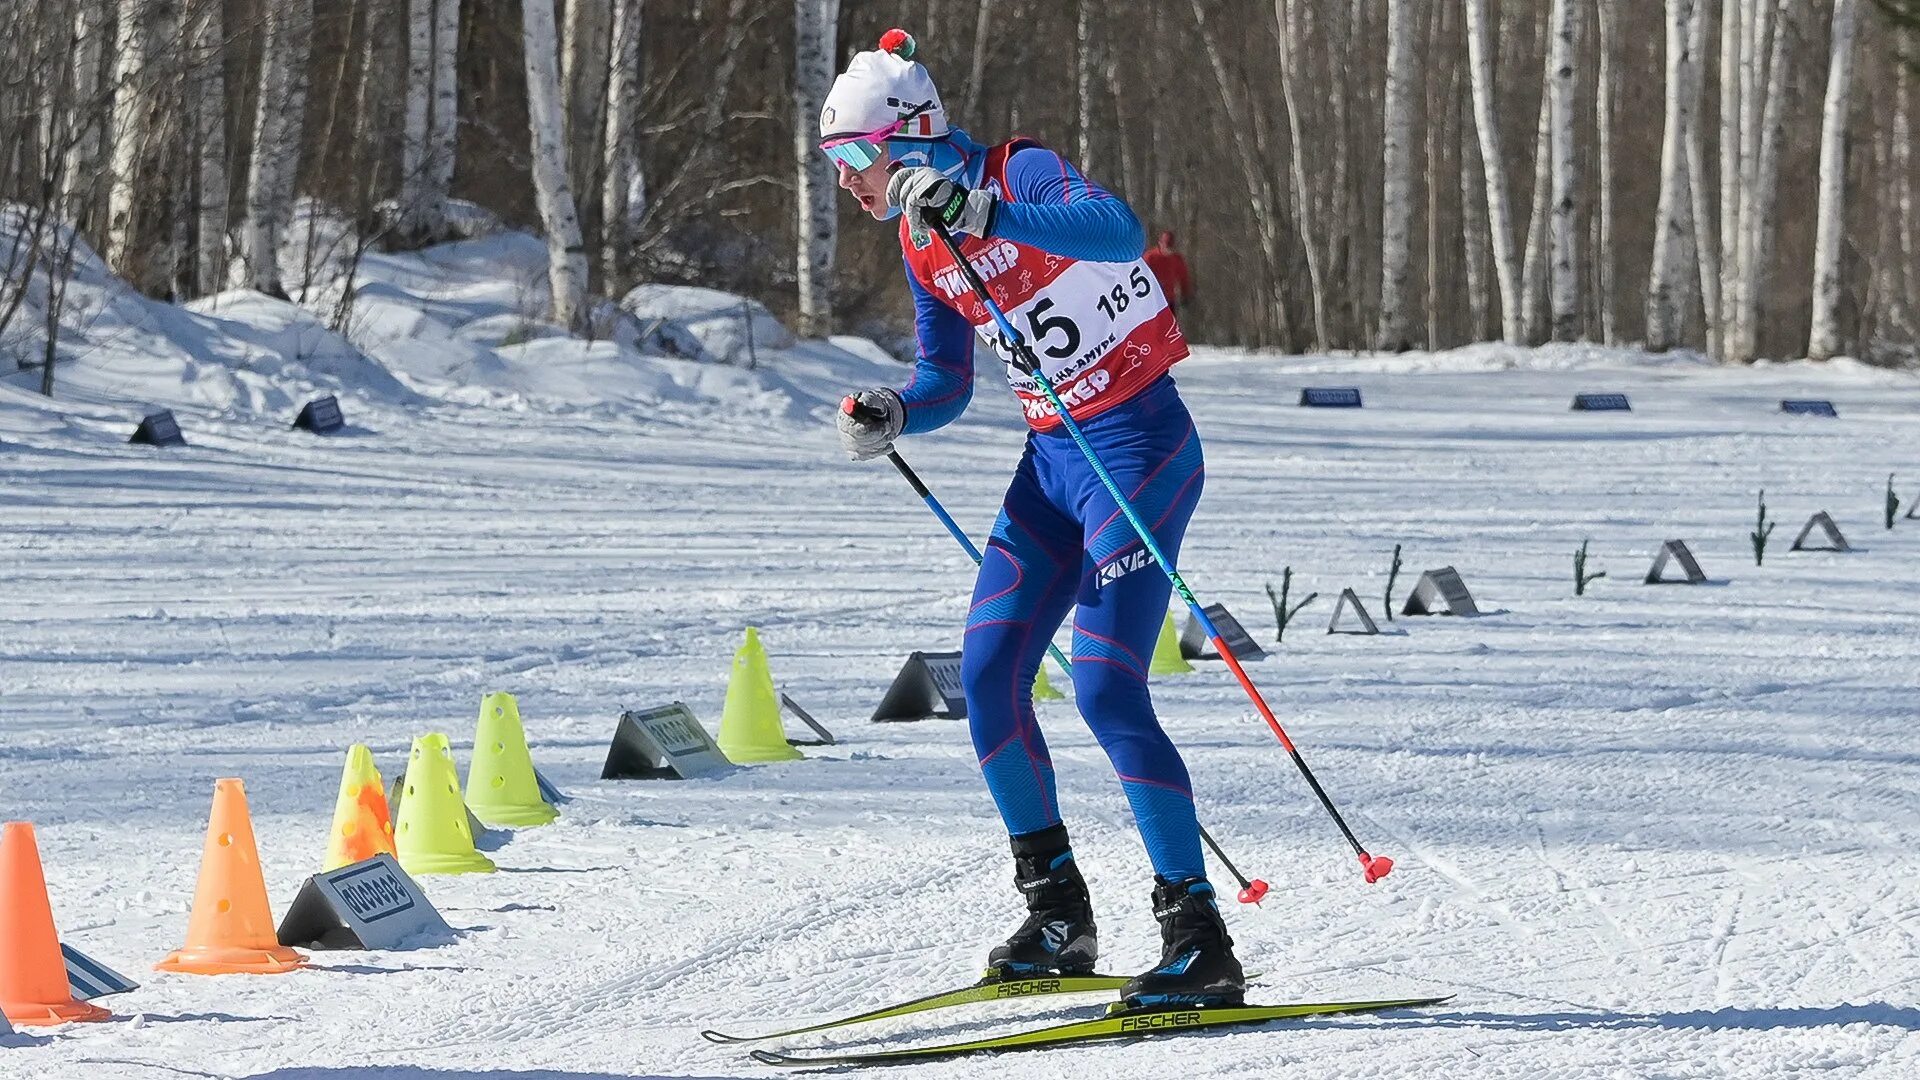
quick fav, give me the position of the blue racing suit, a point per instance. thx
(1060, 543)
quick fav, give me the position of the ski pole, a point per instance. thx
(1251, 892)
(1374, 866)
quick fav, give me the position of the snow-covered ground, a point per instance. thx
(1651, 832)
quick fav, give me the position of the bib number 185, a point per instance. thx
(1112, 303)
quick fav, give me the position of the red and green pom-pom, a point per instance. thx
(898, 42)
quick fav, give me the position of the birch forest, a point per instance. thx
(1730, 176)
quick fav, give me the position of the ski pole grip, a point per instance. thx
(853, 407)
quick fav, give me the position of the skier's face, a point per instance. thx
(869, 185)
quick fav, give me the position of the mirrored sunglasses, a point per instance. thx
(858, 152)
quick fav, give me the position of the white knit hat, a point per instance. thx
(880, 87)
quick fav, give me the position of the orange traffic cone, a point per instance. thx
(232, 928)
(361, 823)
(33, 977)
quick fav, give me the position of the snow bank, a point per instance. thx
(464, 322)
(237, 356)
(707, 324)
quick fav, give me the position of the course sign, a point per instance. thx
(371, 904)
(1330, 397)
(663, 743)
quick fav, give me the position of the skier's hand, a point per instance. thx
(925, 195)
(869, 421)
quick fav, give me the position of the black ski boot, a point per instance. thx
(1197, 966)
(1058, 937)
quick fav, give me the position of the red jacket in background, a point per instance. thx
(1170, 267)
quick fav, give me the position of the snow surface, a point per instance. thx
(1651, 832)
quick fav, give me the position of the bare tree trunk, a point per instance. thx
(1665, 285)
(1760, 175)
(566, 256)
(1897, 274)
(1699, 182)
(1823, 343)
(623, 190)
(1083, 62)
(1266, 214)
(130, 131)
(1395, 333)
(1473, 228)
(1303, 209)
(1133, 183)
(1732, 59)
(1607, 11)
(1533, 271)
(1437, 119)
(977, 72)
(415, 138)
(209, 112)
(816, 24)
(574, 32)
(1565, 235)
(443, 137)
(80, 176)
(274, 168)
(1493, 167)
(582, 65)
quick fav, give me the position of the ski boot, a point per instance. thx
(1197, 967)
(1058, 937)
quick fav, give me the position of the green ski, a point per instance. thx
(984, 990)
(1120, 1025)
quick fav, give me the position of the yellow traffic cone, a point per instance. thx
(432, 836)
(362, 826)
(1166, 652)
(501, 789)
(1042, 689)
(750, 729)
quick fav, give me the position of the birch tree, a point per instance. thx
(1266, 212)
(1765, 31)
(623, 186)
(1473, 229)
(444, 131)
(1486, 116)
(1285, 13)
(1607, 12)
(1564, 234)
(815, 25)
(130, 130)
(583, 67)
(273, 170)
(1534, 271)
(1699, 182)
(80, 174)
(566, 255)
(418, 119)
(1823, 343)
(1083, 64)
(977, 68)
(1672, 218)
(1733, 16)
(208, 110)
(431, 118)
(1396, 247)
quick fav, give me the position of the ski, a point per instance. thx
(985, 990)
(1121, 1025)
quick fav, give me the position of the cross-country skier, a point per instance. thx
(1061, 256)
